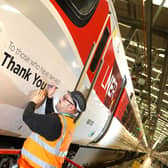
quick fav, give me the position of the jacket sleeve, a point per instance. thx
(49, 126)
(49, 106)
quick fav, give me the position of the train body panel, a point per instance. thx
(29, 49)
(42, 44)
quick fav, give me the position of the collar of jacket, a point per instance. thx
(68, 115)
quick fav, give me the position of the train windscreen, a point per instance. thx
(79, 11)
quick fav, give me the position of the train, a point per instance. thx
(77, 46)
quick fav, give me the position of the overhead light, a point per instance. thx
(133, 43)
(161, 55)
(145, 105)
(144, 91)
(163, 110)
(156, 70)
(137, 90)
(144, 74)
(165, 101)
(154, 88)
(161, 49)
(154, 106)
(124, 25)
(153, 95)
(158, 2)
(166, 93)
(141, 46)
(130, 59)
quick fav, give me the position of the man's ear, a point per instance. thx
(72, 107)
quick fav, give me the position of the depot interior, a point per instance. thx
(148, 62)
(144, 32)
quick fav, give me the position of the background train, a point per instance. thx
(76, 45)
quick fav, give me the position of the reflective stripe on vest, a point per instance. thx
(50, 149)
(36, 160)
(59, 143)
(53, 150)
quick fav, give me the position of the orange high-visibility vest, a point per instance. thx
(41, 153)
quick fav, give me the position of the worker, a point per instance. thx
(52, 133)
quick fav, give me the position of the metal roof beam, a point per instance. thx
(129, 8)
(162, 118)
(131, 34)
(163, 80)
(158, 12)
(161, 31)
(163, 84)
(149, 46)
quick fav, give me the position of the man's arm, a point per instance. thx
(49, 106)
(48, 126)
(49, 103)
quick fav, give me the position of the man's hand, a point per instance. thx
(51, 88)
(39, 97)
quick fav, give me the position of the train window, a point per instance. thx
(127, 119)
(126, 115)
(131, 120)
(99, 50)
(79, 11)
(135, 129)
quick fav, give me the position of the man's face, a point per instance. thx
(65, 104)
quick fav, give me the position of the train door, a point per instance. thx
(91, 31)
(94, 42)
(87, 25)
